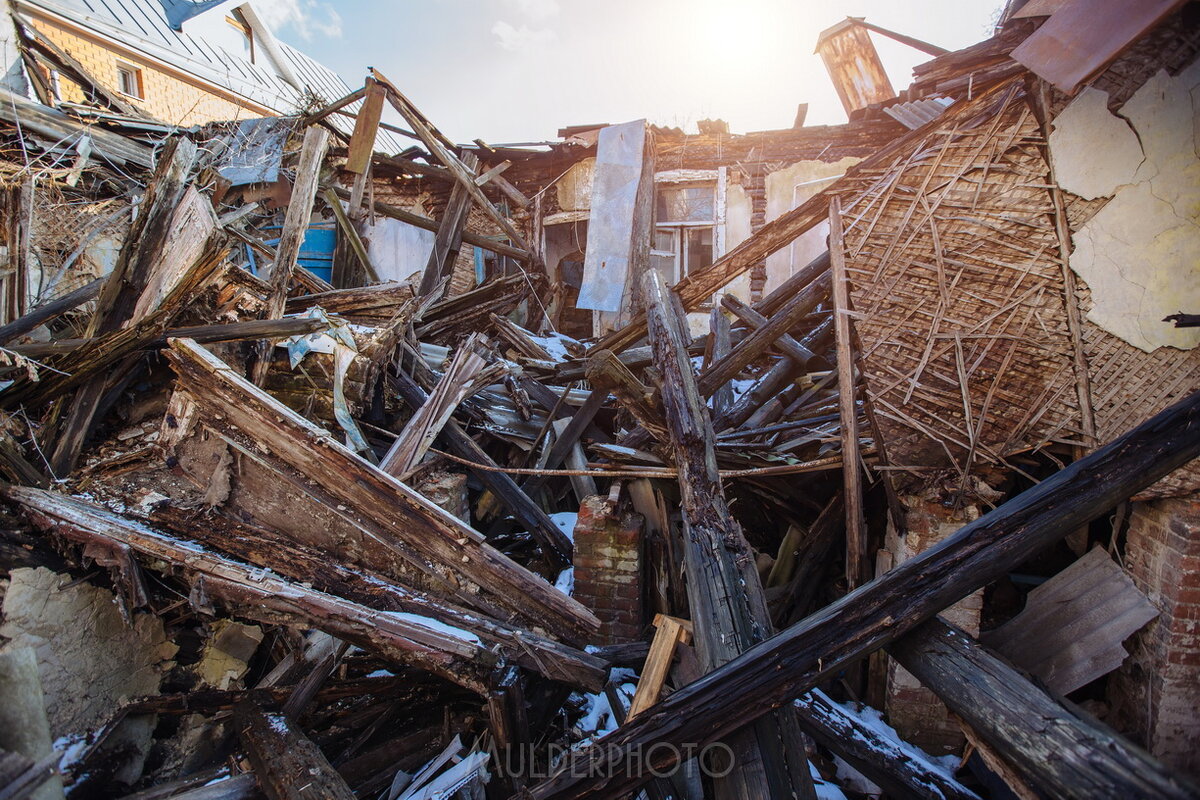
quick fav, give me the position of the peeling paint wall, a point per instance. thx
(786, 189)
(1140, 254)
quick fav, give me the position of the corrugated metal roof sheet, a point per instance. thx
(153, 27)
(916, 113)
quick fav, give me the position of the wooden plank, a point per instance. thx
(351, 233)
(1062, 752)
(416, 220)
(556, 547)
(248, 592)
(54, 126)
(311, 459)
(286, 762)
(1083, 36)
(50, 311)
(668, 632)
(820, 646)
(856, 526)
(366, 125)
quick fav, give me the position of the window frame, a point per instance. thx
(135, 73)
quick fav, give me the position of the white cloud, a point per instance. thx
(522, 39)
(536, 10)
(308, 18)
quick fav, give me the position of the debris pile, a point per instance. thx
(299, 523)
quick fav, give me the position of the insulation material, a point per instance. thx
(1138, 254)
(956, 286)
(90, 659)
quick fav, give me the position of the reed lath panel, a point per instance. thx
(957, 288)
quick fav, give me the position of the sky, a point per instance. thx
(510, 71)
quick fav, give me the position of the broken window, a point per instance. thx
(685, 221)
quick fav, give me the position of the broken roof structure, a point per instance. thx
(775, 464)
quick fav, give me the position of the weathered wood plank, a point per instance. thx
(286, 763)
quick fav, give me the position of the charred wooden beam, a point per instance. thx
(286, 763)
(401, 521)
(725, 596)
(1057, 749)
(877, 613)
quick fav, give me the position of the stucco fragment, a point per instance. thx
(1140, 255)
(1093, 152)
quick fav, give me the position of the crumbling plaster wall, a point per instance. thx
(1140, 254)
(788, 188)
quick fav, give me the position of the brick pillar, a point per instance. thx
(914, 711)
(608, 568)
(1156, 692)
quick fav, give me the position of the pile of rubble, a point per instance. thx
(284, 538)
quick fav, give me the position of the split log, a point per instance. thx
(253, 593)
(877, 613)
(286, 762)
(401, 521)
(725, 595)
(1056, 748)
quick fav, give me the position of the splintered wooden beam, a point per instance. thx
(725, 595)
(49, 311)
(334, 107)
(351, 233)
(606, 373)
(441, 148)
(449, 235)
(253, 593)
(286, 762)
(295, 226)
(881, 611)
(452, 555)
(856, 526)
(1060, 751)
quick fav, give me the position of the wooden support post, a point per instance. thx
(1060, 751)
(346, 225)
(725, 596)
(295, 226)
(856, 528)
(668, 632)
(449, 236)
(876, 614)
(722, 396)
(286, 762)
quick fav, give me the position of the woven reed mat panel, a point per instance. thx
(1129, 385)
(957, 289)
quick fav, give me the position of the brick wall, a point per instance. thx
(914, 711)
(1156, 693)
(166, 96)
(608, 575)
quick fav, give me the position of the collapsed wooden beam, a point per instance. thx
(1057, 749)
(449, 552)
(878, 612)
(725, 596)
(49, 311)
(254, 593)
(287, 764)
